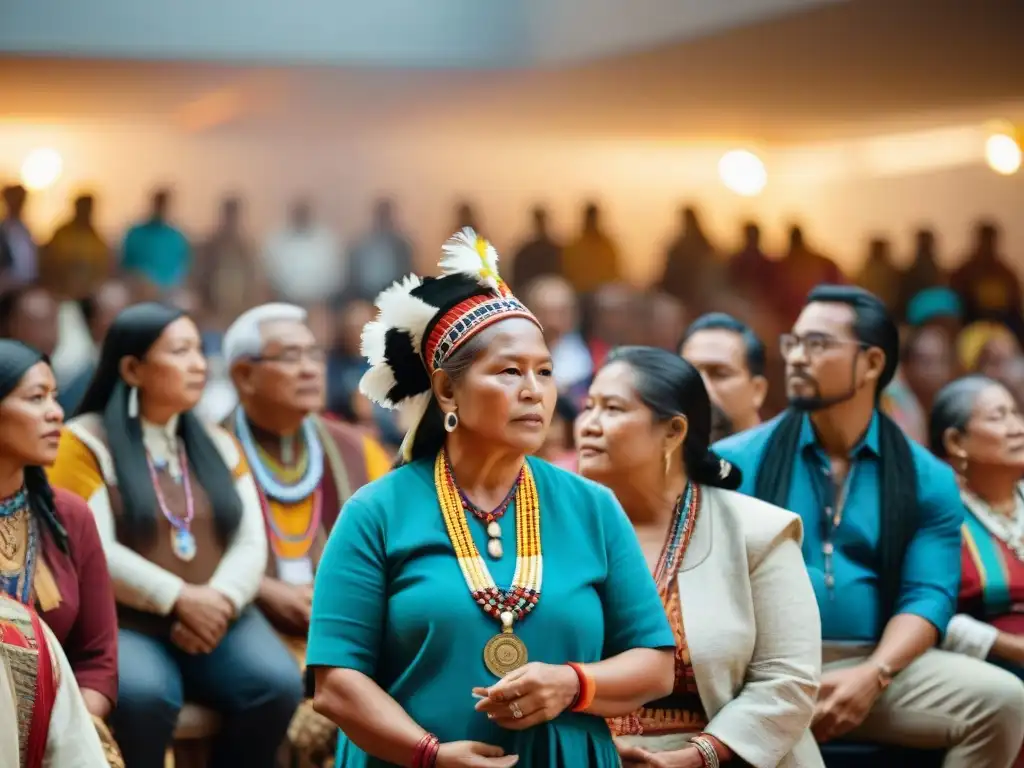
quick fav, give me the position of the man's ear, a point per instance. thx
(242, 375)
(759, 385)
(129, 370)
(875, 359)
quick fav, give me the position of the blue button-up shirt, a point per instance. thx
(931, 565)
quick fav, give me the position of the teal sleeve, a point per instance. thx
(634, 616)
(350, 593)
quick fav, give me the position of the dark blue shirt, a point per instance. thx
(931, 566)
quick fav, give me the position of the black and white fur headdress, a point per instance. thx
(421, 321)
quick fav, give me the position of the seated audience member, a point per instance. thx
(51, 558)
(305, 467)
(731, 360)
(44, 722)
(182, 528)
(986, 347)
(558, 445)
(977, 427)
(882, 524)
(730, 574)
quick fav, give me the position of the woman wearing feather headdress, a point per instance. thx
(432, 640)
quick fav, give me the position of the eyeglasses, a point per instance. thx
(813, 344)
(294, 356)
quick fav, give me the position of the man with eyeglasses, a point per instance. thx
(305, 467)
(881, 520)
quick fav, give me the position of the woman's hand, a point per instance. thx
(189, 641)
(473, 754)
(632, 757)
(205, 611)
(532, 694)
(679, 758)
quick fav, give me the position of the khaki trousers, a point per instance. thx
(943, 700)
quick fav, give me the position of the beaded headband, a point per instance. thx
(420, 323)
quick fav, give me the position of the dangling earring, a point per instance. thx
(451, 421)
(133, 403)
(668, 462)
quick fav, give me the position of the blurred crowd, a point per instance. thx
(62, 289)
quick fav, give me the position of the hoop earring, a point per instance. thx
(451, 421)
(133, 403)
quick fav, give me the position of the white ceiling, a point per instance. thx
(397, 33)
(835, 70)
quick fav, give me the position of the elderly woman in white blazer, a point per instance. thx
(729, 569)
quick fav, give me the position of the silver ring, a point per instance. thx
(515, 710)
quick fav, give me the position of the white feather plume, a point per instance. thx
(413, 410)
(398, 308)
(467, 253)
(377, 382)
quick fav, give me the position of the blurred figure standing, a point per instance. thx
(18, 257)
(988, 286)
(538, 256)
(304, 261)
(593, 259)
(155, 250)
(554, 303)
(77, 259)
(228, 277)
(381, 257)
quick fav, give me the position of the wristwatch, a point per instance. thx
(885, 674)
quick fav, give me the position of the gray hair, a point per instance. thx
(953, 408)
(245, 339)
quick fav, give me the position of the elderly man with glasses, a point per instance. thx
(305, 466)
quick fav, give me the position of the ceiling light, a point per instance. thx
(42, 167)
(743, 172)
(1003, 154)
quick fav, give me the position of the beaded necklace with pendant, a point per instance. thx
(183, 542)
(489, 519)
(503, 652)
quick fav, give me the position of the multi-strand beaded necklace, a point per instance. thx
(490, 519)
(678, 539)
(15, 512)
(504, 652)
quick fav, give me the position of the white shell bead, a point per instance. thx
(494, 548)
(493, 529)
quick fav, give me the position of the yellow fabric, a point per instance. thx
(975, 337)
(378, 463)
(75, 469)
(45, 586)
(292, 520)
(75, 262)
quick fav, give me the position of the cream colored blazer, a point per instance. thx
(753, 629)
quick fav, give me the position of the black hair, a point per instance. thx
(953, 407)
(873, 326)
(897, 501)
(132, 333)
(15, 361)
(720, 321)
(669, 386)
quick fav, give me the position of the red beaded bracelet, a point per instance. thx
(425, 754)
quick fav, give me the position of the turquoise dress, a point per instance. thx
(391, 602)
